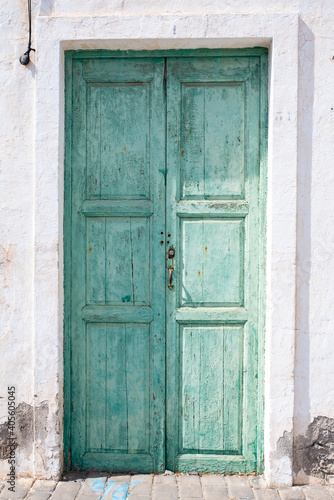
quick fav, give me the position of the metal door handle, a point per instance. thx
(170, 279)
(171, 255)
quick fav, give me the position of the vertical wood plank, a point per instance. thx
(140, 238)
(96, 260)
(119, 261)
(116, 394)
(78, 266)
(192, 153)
(138, 383)
(192, 261)
(94, 142)
(211, 389)
(96, 385)
(67, 259)
(191, 386)
(233, 364)
(157, 275)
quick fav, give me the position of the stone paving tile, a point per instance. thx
(22, 487)
(294, 493)
(41, 490)
(215, 492)
(124, 478)
(207, 480)
(266, 494)
(101, 486)
(117, 488)
(138, 497)
(164, 488)
(93, 486)
(239, 487)
(190, 487)
(141, 485)
(315, 493)
(38, 495)
(67, 490)
(257, 482)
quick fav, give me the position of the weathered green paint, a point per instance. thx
(126, 172)
(214, 142)
(115, 213)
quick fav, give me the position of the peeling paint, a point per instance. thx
(314, 451)
(284, 446)
(24, 429)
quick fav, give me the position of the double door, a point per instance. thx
(163, 259)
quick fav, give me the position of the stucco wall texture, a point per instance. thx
(313, 427)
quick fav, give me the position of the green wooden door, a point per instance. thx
(213, 214)
(163, 152)
(115, 295)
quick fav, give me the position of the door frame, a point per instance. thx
(261, 54)
(55, 35)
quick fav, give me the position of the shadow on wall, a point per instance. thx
(313, 441)
(304, 178)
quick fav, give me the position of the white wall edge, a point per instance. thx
(148, 32)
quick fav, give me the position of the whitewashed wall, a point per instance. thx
(23, 360)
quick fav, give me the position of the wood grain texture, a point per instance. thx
(212, 140)
(213, 183)
(211, 389)
(213, 261)
(140, 151)
(115, 194)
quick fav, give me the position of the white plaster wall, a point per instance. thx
(314, 348)
(16, 226)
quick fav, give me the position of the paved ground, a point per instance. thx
(103, 486)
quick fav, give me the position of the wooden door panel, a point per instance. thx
(118, 260)
(118, 149)
(213, 261)
(118, 389)
(213, 185)
(211, 389)
(116, 194)
(212, 140)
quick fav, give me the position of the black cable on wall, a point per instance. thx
(25, 58)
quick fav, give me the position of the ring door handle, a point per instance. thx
(171, 255)
(170, 278)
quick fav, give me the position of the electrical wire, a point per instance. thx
(25, 58)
